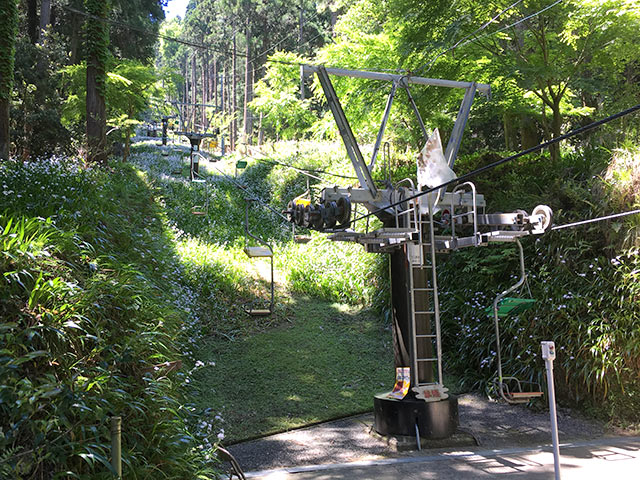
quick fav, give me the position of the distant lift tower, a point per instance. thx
(413, 231)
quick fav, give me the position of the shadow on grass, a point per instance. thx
(326, 362)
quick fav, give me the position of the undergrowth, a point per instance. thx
(90, 310)
(585, 281)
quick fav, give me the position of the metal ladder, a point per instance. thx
(426, 350)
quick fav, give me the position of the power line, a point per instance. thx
(462, 43)
(593, 220)
(481, 28)
(541, 146)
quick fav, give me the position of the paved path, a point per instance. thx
(494, 425)
(604, 458)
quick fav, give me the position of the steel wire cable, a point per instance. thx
(462, 42)
(478, 30)
(189, 43)
(244, 188)
(597, 219)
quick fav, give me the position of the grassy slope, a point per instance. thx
(313, 359)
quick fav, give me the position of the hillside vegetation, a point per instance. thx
(124, 285)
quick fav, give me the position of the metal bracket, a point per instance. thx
(461, 120)
(349, 140)
(385, 118)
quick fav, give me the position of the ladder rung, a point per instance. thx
(259, 312)
(423, 312)
(426, 359)
(421, 289)
(425, 336)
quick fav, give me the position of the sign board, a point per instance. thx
(240, 164)
(431, 393)
(401, 387)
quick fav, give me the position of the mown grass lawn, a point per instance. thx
(326, 362)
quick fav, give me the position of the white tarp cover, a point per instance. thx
(433, 169)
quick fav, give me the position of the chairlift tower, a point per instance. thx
(195, 139)
(413, 232)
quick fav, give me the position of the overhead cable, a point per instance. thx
(304, 170)
(244, 188)
(481, 28)
(462, 42)
(593, 220)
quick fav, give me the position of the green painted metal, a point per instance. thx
(511, 306)
(240, 164)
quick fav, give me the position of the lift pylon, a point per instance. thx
(413, 232)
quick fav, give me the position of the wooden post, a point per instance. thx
(116, 445)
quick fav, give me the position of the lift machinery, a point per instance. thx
(412, 232)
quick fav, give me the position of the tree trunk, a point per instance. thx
(556, 130)
(528, 132)
(185, 98)
(227, 97)
(5, 139)
(8, 28)
(32, 20)
(234, 96)
(510, 132)
(247, 89)
(205, 88)
(194, 94)
(97, 50)
(45, 18)
(75, 38)
(96, 116)
(215, 82)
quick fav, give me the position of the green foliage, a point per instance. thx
(85, 317)
(277, 97)
(130, 86)
(8, 28)
(584, 280)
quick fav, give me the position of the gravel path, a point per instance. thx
(493, 425)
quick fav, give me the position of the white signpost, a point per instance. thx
(549, 355)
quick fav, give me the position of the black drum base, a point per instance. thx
(435, 420)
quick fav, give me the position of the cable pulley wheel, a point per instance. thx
(306, 216)
(330, 214)
(291, 212)
(546, 213)
(315, 217)
(344, 210)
